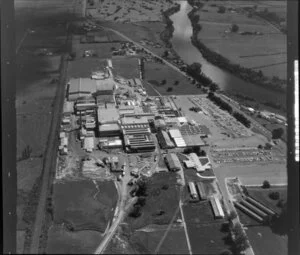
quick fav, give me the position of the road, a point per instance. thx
(121, 208)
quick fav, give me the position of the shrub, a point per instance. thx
(274, 195)
(163, 82)
(169, 89)
(136, 211)
(266, 185)
(226, 252)
(281, 203)
(165, 186)
(277, 133)
(234, 28)
(232, 215)
(221, 9)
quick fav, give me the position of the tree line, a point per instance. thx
(227, 107)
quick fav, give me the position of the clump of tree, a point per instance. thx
(234, 28)
(72, 56)
(195, 71)
(241, 118)
(26, 153)
(141, 192)
(277, 133)
(163, 82)
(221, 9)
(266, 185)
(195, 149)
(240, 239)
(219, 102)
(169, 89)
(274, 195)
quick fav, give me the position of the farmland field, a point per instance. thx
(130, 10)
(264, 241)
(266, 52)
(84, 204)
(126, 67)
(62, 241)
(157, 200)
(155, 73)
(262, 195)
(208, 238)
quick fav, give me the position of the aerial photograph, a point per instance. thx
(151, 127)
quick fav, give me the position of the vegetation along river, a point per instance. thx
(227, 82)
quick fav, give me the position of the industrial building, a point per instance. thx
(109, 130)
(217, 207)
(104, 99)
(88, 144)
(107, 116)
(110, 142)
(173, 162)
(85, 105)
(199, 163)
(137, 136)
(164, 140)
(139, 142)
(68, 108)
(131, 125)
(177, 138)
(80, 87)
(160, 124)
(193, 190)
(105, 87)
(201, 191)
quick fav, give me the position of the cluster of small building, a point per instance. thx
(254, 209)
(201, 194)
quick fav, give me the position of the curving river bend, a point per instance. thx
(182, 44)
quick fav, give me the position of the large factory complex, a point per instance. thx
(112, 113)
(118, 114)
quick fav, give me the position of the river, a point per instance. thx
(227, 82)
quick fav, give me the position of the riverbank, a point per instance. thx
(167, 33)
(244, 73)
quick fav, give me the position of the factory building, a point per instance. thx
(109, 130)
(86, 87)
(164, 140)
(193, 190)
(105, 87)
(68, 108)
(142, 142)
(137, 136)
(108, 122)
(110, 142)
(104, 99)
(199, 163)
(173, 162)
(217, 207)
(107, 116)
(177, 138)
(80, 87)
(201, 191)
(85, 105)
(160, 124)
